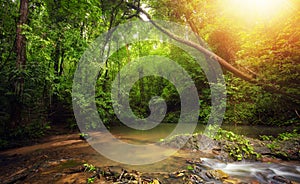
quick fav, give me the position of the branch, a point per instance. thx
(206, 52)
(267, 87)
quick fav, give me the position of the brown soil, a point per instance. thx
(46, 162)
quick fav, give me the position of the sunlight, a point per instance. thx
(256, 10)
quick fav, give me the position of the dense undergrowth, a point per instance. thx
(37, 87)
(235, 147)
(238, 146)
(23, 134)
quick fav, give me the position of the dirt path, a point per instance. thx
(45, 162)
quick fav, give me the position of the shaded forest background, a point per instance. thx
(43, 41)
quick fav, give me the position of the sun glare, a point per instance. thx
(256, 10)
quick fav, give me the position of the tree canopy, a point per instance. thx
(43, 41)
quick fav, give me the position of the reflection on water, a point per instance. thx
(163, 130)
(254, 131)
(123, 152)
(173, 163)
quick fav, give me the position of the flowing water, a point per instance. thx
(260, 171)
(245, 171)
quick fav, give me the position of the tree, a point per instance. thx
(21, 40)
(20, 63)
(274, 87)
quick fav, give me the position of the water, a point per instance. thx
(254, 131)
(263, 172)
(245, 171)
(163, 130)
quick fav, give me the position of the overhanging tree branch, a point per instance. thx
(227, 66)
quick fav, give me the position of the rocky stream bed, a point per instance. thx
(68, 159)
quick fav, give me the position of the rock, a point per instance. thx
(136, 182)
(231, 181)
(216, 174)
(215, 152)
(194, 162)
(263, 176)
(196, 179)
(192, 142)
(281, 180)
(285, 149)
(204, 142)
(155, 181)
(260, 146)
(197, 170)
(178, 174)
(270, 159)
(218, 149)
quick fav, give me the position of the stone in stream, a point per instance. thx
(216, 174)
(264, 176)
(280, 180)
(194, 142)
(178, 174)
(231, 181)
(194, 162)
(155, 181)
(196, 179)
(197, 169)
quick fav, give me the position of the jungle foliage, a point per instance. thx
(58, 32)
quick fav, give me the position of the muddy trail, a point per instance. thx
(45, 162)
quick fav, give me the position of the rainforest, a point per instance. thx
(141, 91)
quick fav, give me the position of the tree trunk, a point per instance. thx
(21, 41)
(56, 57)
(21, 47)
(20, 65)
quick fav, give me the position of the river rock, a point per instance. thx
(196, 179)
(192, 142)
(216, 174)
(288, 150)
(178, 174)
(264, 176)
(175, 142)
(280, 180)
(231, 181)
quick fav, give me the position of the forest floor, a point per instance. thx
(45, 161)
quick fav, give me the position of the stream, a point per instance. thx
(260, 171)
(245, 171)
(164, 129)
(63, 151)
